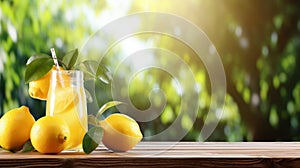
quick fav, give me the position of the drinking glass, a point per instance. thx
(67, 100)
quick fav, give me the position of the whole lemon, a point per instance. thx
(120, 132)
(15, 126)
(38, 89)
(50, 134)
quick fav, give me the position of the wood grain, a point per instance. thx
(169, 154)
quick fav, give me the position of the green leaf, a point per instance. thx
(70, 59)
(93, 120)
(27, 147)
(37, 68)
(92, 139)
(107, 106)
(97, 70)
(37, 56)
(103, 74)
(91, 66)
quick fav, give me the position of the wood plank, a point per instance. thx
(170, 154)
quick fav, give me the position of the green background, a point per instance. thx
(258, 41)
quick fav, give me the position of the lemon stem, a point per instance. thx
(62, 138)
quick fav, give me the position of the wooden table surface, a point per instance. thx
(169, 154)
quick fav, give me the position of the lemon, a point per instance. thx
(38, 89)
(66, 103)
(65, 99)
(120, 132)
(50, 135)
(15, 128)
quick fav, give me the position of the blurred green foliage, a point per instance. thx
(29, 27)
(258, 42)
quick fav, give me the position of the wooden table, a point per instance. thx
(170, 154)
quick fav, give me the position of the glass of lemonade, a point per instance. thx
(67, 99)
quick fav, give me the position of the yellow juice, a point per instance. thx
(69, 103)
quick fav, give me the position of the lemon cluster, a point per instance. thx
(120, 132)
(51, 134)
(48, 134)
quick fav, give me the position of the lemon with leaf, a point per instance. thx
(39, 67)
(118, 132)
(38, 89)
